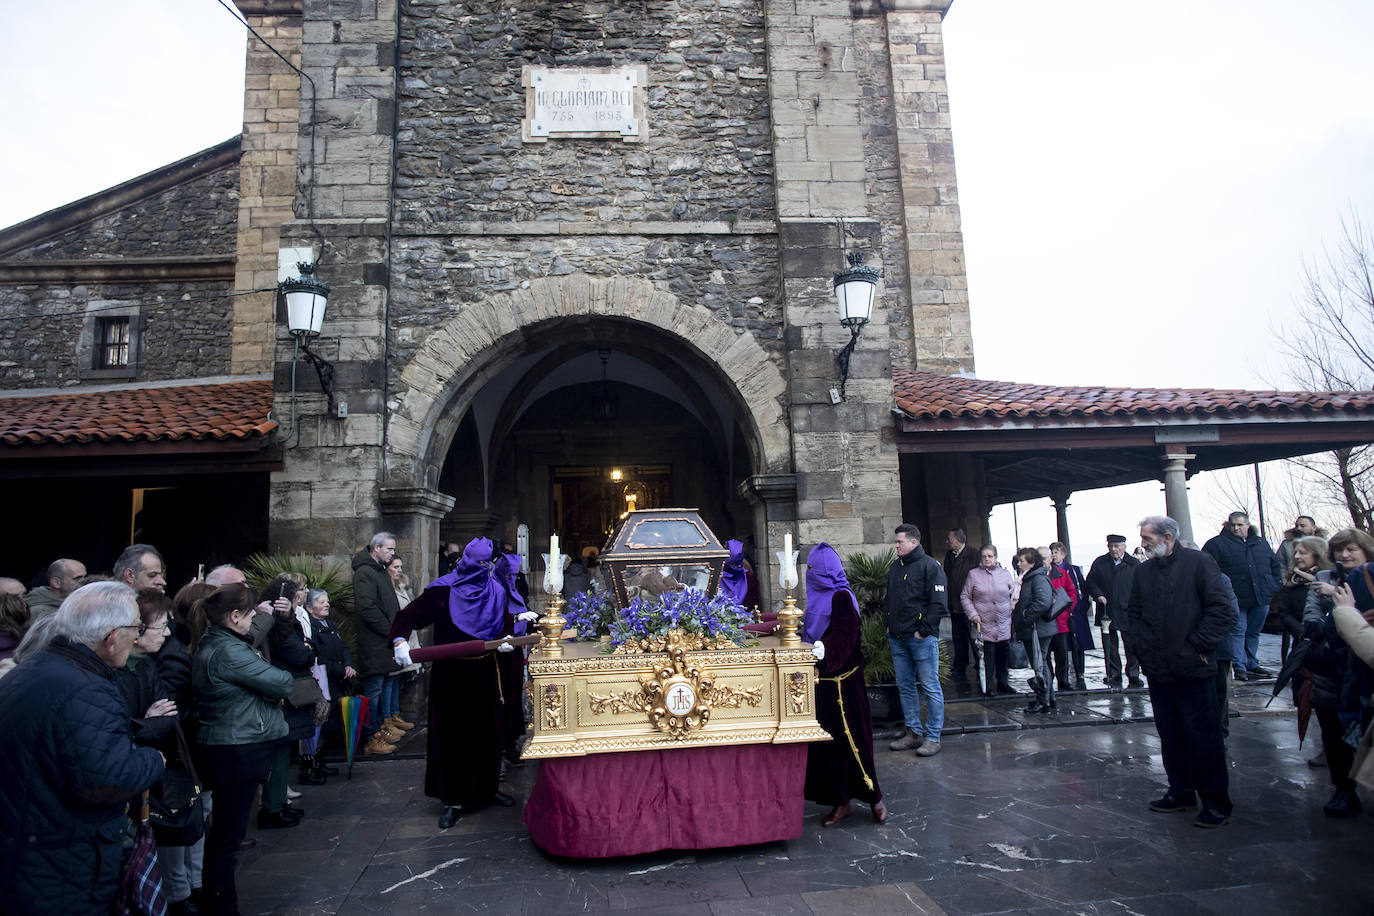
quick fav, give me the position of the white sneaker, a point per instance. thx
(292, 794)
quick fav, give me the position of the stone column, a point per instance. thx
(774, 498)
(267, 176)
(327, 493)
(848, 487)
(932, 232)
(413, 514)
(1176, 490)
(1060, 499)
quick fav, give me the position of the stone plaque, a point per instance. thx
(586, 102)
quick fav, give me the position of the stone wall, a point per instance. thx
(734, 276)
(707, 155)
(43, 322)
(194, 218)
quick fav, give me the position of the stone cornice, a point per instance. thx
(619, 227)
(47, 225)
(874, 7)
(119, 270)
(269, 7)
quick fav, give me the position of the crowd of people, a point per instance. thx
(117, 692)
(109, 687)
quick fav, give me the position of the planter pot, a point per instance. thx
(884, 703)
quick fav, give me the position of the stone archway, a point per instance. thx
(473, 345)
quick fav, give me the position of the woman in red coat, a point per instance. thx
(1059, 646)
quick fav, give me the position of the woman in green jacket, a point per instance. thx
(238, 701)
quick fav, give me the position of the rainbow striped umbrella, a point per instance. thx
(354, 711)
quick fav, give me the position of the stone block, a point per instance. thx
(837, 198)
(846, 532)
(827, 144)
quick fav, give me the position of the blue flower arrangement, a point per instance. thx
(591, 614)
(703, 623)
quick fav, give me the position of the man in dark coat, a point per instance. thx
(1178, 613)
(70, 766)
(960, 559)
(1255, 574)
(916, 599)
(1109, 584)
(375, 608)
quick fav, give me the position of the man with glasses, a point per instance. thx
(70, 766)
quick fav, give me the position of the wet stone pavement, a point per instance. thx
(1017, 814)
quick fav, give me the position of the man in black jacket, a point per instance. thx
(1109, 584)
(1254, 571)
(915, 602)
(959, 561)
(1178, 613)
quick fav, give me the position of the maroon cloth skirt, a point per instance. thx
(625, 804)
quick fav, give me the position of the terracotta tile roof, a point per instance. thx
(931, 396)
(226, 411)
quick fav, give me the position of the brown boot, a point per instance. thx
(378, 745)
(399, 724)
(391, 735)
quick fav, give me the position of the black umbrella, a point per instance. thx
(1297, 657)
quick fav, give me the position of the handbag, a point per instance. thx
(305, 691)
(1016, 655)
(177, 816)
(1059, 603)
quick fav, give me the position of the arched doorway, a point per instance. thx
(494, 369)
(593, 415)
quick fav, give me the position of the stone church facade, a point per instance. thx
(484, 285)
(527, 329)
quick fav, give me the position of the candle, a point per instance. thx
(553, 546)
(787, 545)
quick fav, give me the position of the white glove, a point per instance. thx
(506, 646)
(527, 616)
(818, 650)
(402, 653)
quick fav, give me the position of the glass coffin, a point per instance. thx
(655, 551)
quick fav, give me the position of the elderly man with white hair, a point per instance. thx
(70, 765)
(1179, 613)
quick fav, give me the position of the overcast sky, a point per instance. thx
(1140, 183)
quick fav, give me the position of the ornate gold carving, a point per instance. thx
(798, 735)
(796, 691)
(537, 748)
(632, 661)
(733, 697)
(553, 706)
(606, 706)
(689, 642)
(626, 701)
